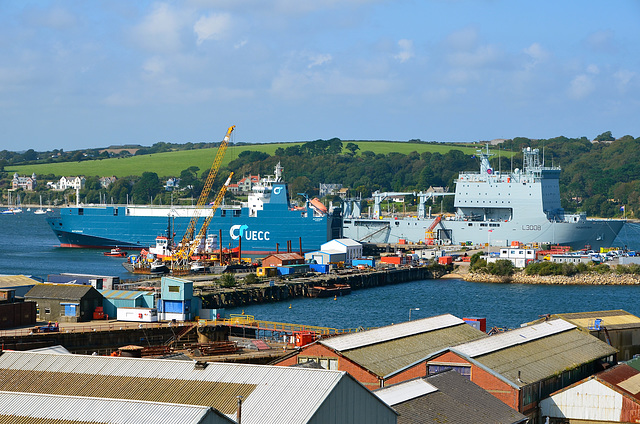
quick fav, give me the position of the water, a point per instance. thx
(30, 248)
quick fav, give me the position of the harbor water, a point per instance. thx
(30, 248)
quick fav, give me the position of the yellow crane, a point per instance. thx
(181, 257)
(213, 172)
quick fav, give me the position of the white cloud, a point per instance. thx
(480, 57)
(160, 30)
(240, 44)
(537, 52)
(213, 27)
(593, 69)
(406, 50)
(602, 42)
(319, 59)
(581, 86)
(624, 79)
(291, 85)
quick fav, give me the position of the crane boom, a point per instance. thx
(182, 255)
(213, 172)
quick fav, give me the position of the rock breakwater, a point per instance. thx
(578, 279)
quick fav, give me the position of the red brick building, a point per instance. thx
(283, 259)
(523, 366)
(387, 355)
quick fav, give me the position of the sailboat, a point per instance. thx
(40, 211)
(12, 210)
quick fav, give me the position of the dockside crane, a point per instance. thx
(180, 258)
(213, 172)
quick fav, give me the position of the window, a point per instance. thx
(47, 310)
(115, 211)
(326, 363)
(461, 369)
(80, 211)
(174, 289)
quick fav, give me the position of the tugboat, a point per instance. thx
(116, 252)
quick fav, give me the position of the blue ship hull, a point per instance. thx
(129, 227)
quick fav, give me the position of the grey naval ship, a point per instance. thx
(494, 207)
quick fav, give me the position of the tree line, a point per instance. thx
(600, 178)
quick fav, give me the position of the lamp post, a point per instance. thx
(412, 309)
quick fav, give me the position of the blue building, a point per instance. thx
(176, 300)
(114, 299)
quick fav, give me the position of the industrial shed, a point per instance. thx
(21, 284)
(611, 396)
(114, 299)
(351, 248)
(446, 397)
(523, 366)
(64, 302)
(283, 259)
(35, 408)
(387, 355)
(269, 394)
(617, 327)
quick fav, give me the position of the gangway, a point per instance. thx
(249, 321)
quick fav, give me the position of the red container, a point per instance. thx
(445, 260)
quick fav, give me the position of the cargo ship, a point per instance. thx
(521, 206)
(262, 225)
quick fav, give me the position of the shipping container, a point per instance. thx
(370, 262)
(322, 268)
(477, 323)
(138, 314)
(445, 260)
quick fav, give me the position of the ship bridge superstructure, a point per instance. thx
(495, 196)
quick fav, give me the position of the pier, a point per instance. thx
(282, 290)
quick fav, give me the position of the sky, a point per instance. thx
(78, 74)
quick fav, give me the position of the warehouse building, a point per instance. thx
(611, 396)
(36, 408)
(386, 355)
(64, 302)
(257, 394)
(447, 397)
(523, 366)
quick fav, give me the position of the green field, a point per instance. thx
(172, 163)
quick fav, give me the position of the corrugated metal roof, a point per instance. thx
(43, 408)
(268, 391)
(455, 400)
(58, 291)
(544, 357)
(403, 392)
(631, 384)
(383, 334)
(514, 337)
(609, 318)
(124, 294)
(387, 358)
(16, 280)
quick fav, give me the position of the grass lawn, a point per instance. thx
(172, 163)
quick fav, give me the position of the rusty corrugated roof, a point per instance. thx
(271, 394)
(544, 357)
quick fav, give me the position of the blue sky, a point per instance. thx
(81, 74)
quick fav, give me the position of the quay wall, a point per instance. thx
(300, 287)
(578, 279)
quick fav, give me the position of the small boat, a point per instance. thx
(198, 267)
(158, 267)
(40, 211)
(116, 252)
(332, 290)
